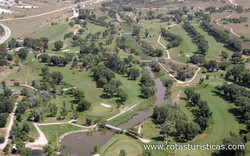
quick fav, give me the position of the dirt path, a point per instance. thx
(40, 142)
(222, 25)
(159, 38)
(8, 129)
(233, 2)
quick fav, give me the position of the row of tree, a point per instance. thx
(55, 60)
(240, 96)
(222, 36)
(174, 40)
(203, 112)
(198, 39)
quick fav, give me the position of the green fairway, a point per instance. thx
(53, 33)
(187, 46)
(215, 47)
(119, 142)
(223, 122)
(52, 131)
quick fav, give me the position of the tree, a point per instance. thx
(83, 105)
(3, 119)
(23, 53)
(26, 152)
(189, 92)
(3, 84)
(165, 129)
(57, 77)
(75, 115)
(45, 58)
(195, 98)
(96, 148)
(123, 95)
(53, 109)
(233, 139)
(63, 112)
(26, 127)
(58, 45)
(133, 73)
(224, 55)
(79, 94)
(146, 33)
(110, 89)
(182, 75)
(123, 152)
(191, 130)
(7, 92)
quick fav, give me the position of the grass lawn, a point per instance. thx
(51, 131)
(53, 33)
(149, 131)
(119, 142)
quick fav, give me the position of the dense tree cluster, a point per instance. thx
(3, 54)
(102, 75)
(150, 51)
(240, 74)
(118, 65)
(222, 36)
(13, 43)
(147, 85)
(36, 44)
(174, 40)
(175, 123)
(50, 79)
(198, 39)
(6, 106)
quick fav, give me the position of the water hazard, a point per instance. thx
(83, 143)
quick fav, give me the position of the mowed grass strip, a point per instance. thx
(53, 33)
(52, 131)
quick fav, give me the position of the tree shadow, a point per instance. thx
(105, 96)
(158, 138)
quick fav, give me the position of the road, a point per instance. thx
(6, 34)
(8, 129)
